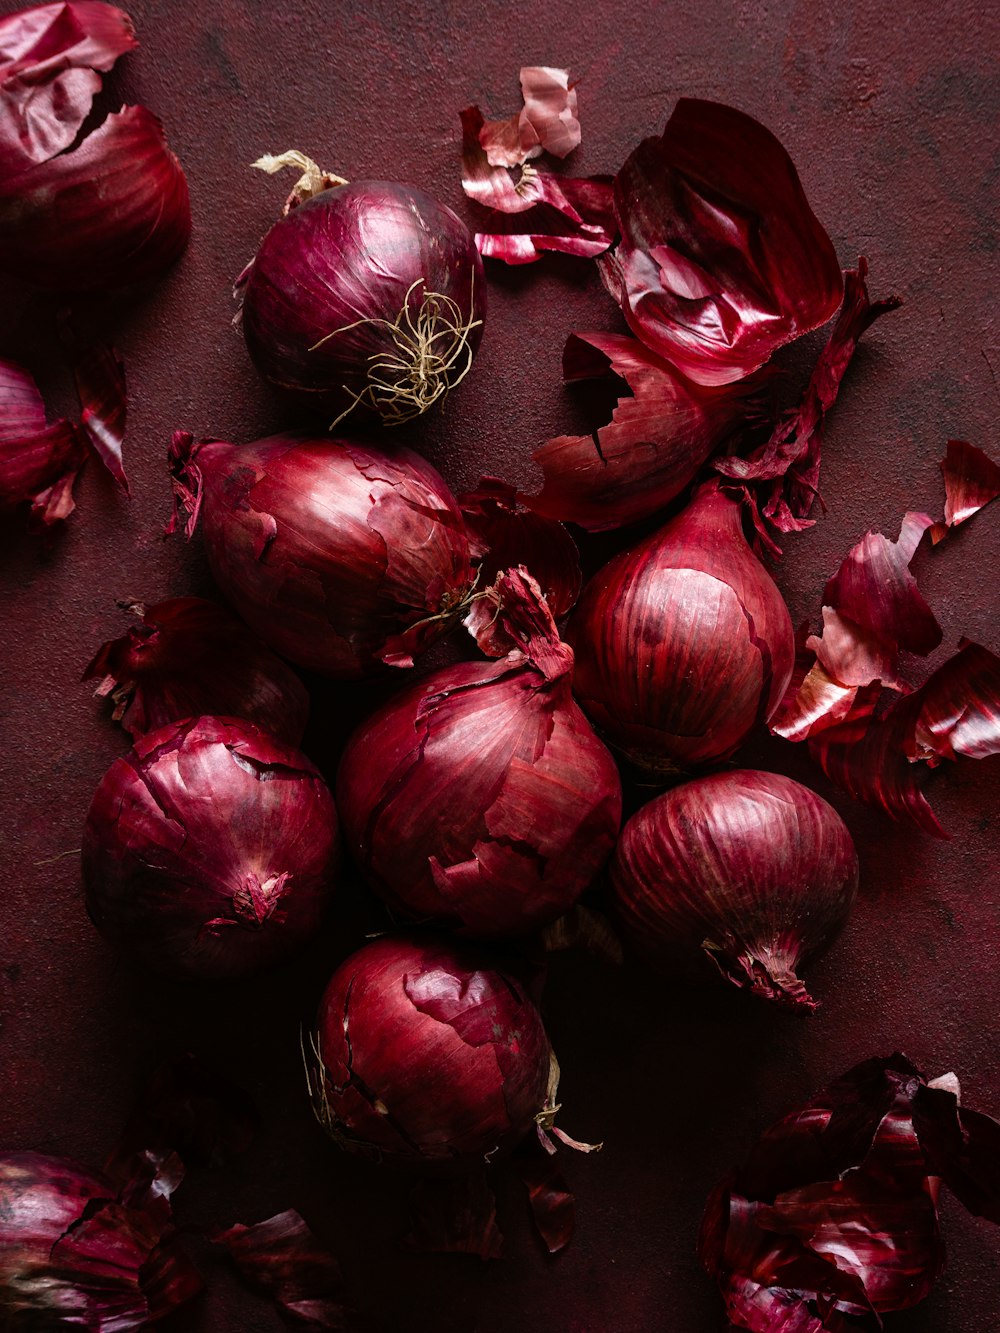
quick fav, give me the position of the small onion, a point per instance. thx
(481, 797)
(683, 643)
(365, 295)
(751, 870)
(210, 849)
(428, 1051)
(39, 463)
(76, 1253)
(339, 555)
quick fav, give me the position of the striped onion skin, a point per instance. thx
(750, 870)
(110, 214)
(683, 644)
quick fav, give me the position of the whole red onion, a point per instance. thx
(210, 849)
(683, 643)
(751, 870)
(428, 1051)
(481, 798)
(76, 1252)
(365, 295)
(188, 656)
(340, 556)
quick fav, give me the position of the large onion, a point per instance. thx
(340, 556)
(481, 798)
(209, 849)
(751, 870)
(428, 1051)
(683, 643)
(367, 295)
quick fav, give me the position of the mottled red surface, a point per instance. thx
(891, 116)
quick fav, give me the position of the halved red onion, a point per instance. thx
(38, 463)
(337, 554)
(651, 449)
(111, 213)
(428, 1051)
(683, 643)
(51, 60)
(481, 799)
(721, 260)
(78, 1251)
(210, 850)
(189, 656)
(833, 1219)
(366, 295)
(750, 870)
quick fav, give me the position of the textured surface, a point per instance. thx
(892, 121)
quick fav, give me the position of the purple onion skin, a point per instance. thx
(683, 644)
(351, 253)
(210, 850)
(748, 869)
(480, 799)
(331, 549)
(430, 1052)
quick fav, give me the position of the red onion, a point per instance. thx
(38, 463)
(77, 1252)
(188, 656)
(337, 554)
(683, 643)
(428, 1051)
(751, 870)
(481, 798)
(209, 849)
(369, 295)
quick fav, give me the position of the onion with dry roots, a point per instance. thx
(365, 296)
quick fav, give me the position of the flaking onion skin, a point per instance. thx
(748, 869)
(428, 1051)
(683, 644)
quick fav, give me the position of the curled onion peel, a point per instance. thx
(339, 555)
(748, 869)
(428, 1051)
(683, 644)
(210, 849)
(480, 798)
(366, 296)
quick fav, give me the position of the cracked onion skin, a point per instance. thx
(748, 869)
(683, 644)
(210, 850)
(350, 256)
(429, 1051)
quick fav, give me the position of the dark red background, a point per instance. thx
(891, 115)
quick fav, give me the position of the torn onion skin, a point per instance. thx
(189, 656)
(833, 1220)
(428, 1052)
(721, 260)
(480, 799)
(77, 1251)
(340, 556)
(110, 214)
(39, 463)
(210, 850)
(366, 299)
(683, 644)
(749, 870)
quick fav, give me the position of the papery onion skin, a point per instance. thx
(189, 656)
(480, 798)
(73, 1256)
(340, 556)
(428, 1052)
(210, 850)
(112, 213)
(370, 255)
(750, 869)
(683, 643)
